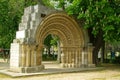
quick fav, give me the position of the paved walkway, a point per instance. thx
(50, 68)
(110, 72)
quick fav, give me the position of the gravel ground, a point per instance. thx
(111, 72)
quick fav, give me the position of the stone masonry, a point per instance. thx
(38, 22)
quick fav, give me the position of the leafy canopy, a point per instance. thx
(10, 16)
(99, 15)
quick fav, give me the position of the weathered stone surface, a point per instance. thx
(35, 16)
(15, 55)
(21, 34)
(36, 24)
(32, 24)
(23, 26)
(26, 18)
(28, 10)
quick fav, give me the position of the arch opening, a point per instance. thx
(51, 53)
(70, 35)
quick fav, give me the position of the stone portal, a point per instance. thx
(36, 24)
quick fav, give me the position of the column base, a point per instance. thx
(84, 65)
(72, 65)
(28, 69)
(91, 65)
(62, 65)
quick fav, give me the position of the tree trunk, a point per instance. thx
(97, 43)
(103, 52)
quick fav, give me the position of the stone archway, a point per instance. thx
(70, 34)
(26, 49)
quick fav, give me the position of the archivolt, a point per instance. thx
(62, 25)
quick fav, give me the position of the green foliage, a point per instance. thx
(96, 14)
(99, 15)
(47, 41)
(54, 41)
(10, 16)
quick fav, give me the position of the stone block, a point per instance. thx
(26, 18)
(32, 24)
(38, 21)
(22, 40)
(35, 16)
(37, 8)
(30, 33)
(91, 65)
(15, 55)
(41, 67)
(16, 41)
(21, 26)
(26, 25)
(32, 69)
(15, 69)
(30, 40)
(21, 34)
(28, 10)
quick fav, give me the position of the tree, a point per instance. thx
(47, 43)
(10, 16)
(100, 17)
(6, 20)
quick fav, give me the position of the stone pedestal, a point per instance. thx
(23, 60)
(32, 69)
(27, 69)
(15, 55)
(90, 56)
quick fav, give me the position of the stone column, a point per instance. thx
(79, 52)
(23, 55)
(28, 56)
(32, 56)
(76, 58)
(90, 59)
(73, 57)
(86, 58)
(83, 58)
(62, 58)
(70, 58)
(38, 56)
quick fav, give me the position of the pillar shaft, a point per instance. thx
(33, 56)
(39, 57)
(28, 56)
(23, 56)
(90, 59)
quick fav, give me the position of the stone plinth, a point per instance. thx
(27, 69)
(15, 55)
(90, 55)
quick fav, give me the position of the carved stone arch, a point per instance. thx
(26, 49)
(65, 25)
(64, 37)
